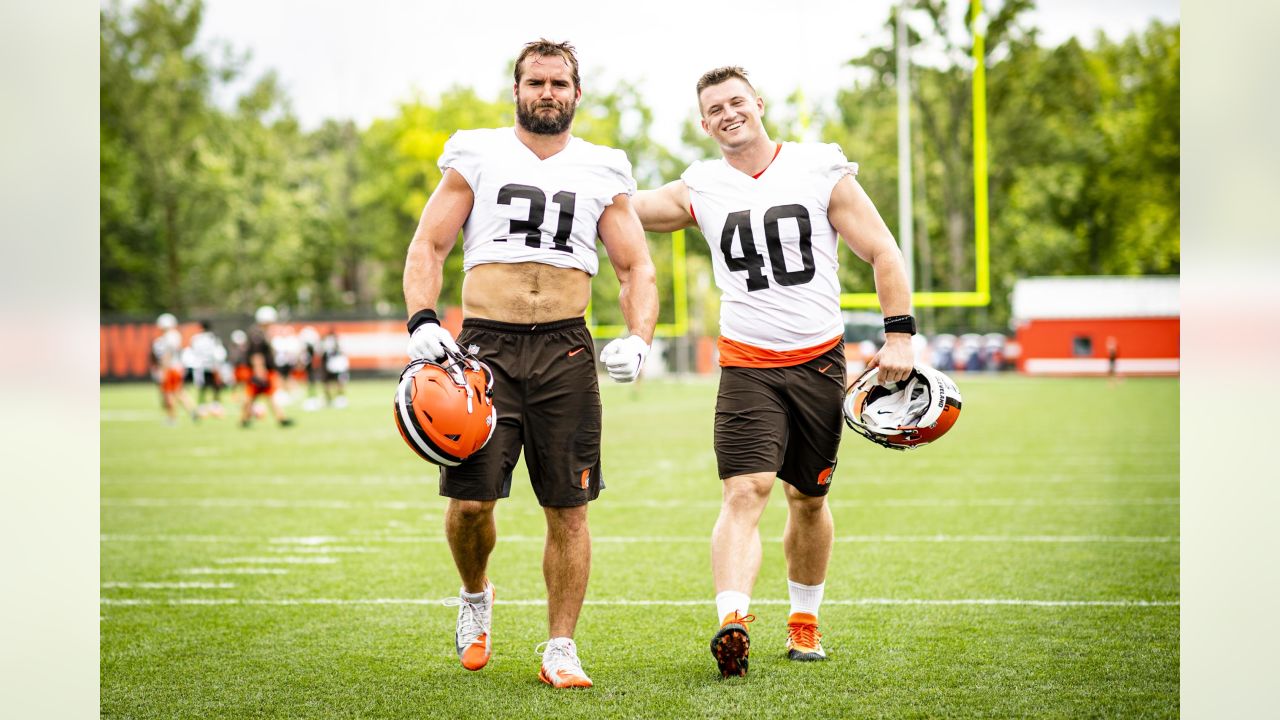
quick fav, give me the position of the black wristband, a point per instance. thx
(422, 317)
(900, 324)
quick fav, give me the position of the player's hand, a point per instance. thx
(624, 357)
(895, 359)
(430, 341)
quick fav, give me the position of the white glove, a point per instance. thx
(624, 357)
(430, 341)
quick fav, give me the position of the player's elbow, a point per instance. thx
(639, 273)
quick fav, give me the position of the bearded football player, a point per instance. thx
(530, 201)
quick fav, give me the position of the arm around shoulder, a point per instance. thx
(665, 209)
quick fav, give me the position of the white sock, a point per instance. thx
(731, 601)
(805, 598)
(474, 597)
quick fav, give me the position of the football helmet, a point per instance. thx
(904, 414)
(444, 408)
(265, 315)
(166, 321)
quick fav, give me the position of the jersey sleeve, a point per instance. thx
(460, 154)
(834, 164)
(617, 175)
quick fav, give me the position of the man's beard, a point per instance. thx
(540, 123)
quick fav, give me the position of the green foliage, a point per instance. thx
(220, 206)
(1083, 155)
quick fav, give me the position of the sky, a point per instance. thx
(340, 59)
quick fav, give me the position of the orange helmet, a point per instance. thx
(904, 414)
(444, 408)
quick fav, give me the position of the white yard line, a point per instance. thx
(626, 539)
(278, 503)
(641, 603)
(168, 585)
(272, 503)
(285, 559)
(233, 571)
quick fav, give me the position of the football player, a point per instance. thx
(770, 212)
(530, 201)
(264, 380)
(167, 369)
(335, 368)
(207, 356)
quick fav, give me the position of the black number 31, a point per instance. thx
(532, 225)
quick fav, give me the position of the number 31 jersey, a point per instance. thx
(532, 210)
(773, 249)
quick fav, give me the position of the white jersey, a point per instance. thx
(532, 210)
(772, 246)
(167, 350)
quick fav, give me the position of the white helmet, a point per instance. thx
(309, 335)
(238, 337)
(167, 321)
(265, 315)
(905, 414)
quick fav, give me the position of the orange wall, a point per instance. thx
(124, 349)
(1137, 337)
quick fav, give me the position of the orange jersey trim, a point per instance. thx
(738, 354)
(766, 167)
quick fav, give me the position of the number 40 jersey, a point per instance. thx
(774, 252)
(532, 210)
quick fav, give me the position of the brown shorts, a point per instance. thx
(548, 401)
(784, 420)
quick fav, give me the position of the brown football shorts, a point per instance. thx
(783, 420)
(548, 402)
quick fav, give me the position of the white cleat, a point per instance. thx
(560, 664)
(471, 638)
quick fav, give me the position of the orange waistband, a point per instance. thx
(738, 354)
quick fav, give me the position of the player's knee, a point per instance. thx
(746, 492)
(567, 521)
(470, 511)
(804, 506)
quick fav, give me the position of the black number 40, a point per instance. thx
(739, 224)
(532, 225)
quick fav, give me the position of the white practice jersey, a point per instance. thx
(167, 350)
(772, 246)
(531, 210)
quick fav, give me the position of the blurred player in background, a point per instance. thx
(335, 368)
(205, 359)
(531, 201)
(309, 339)
(167, 369)
(238, 358)
(264, 379)
(770, 213)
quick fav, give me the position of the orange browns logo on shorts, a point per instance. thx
(586, 478)
(824, 477)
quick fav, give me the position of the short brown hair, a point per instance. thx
(719, 75)
(543, 47)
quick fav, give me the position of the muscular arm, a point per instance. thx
(854, 216)
(437, 232)
(665, 209)
(623, 238)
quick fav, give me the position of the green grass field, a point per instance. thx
(1024, 566)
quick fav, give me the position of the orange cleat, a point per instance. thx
(471, 638)
(561, 667)
(731, 645)
(804, 642)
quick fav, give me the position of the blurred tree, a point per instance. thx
(156, 200)
(1084, 157)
